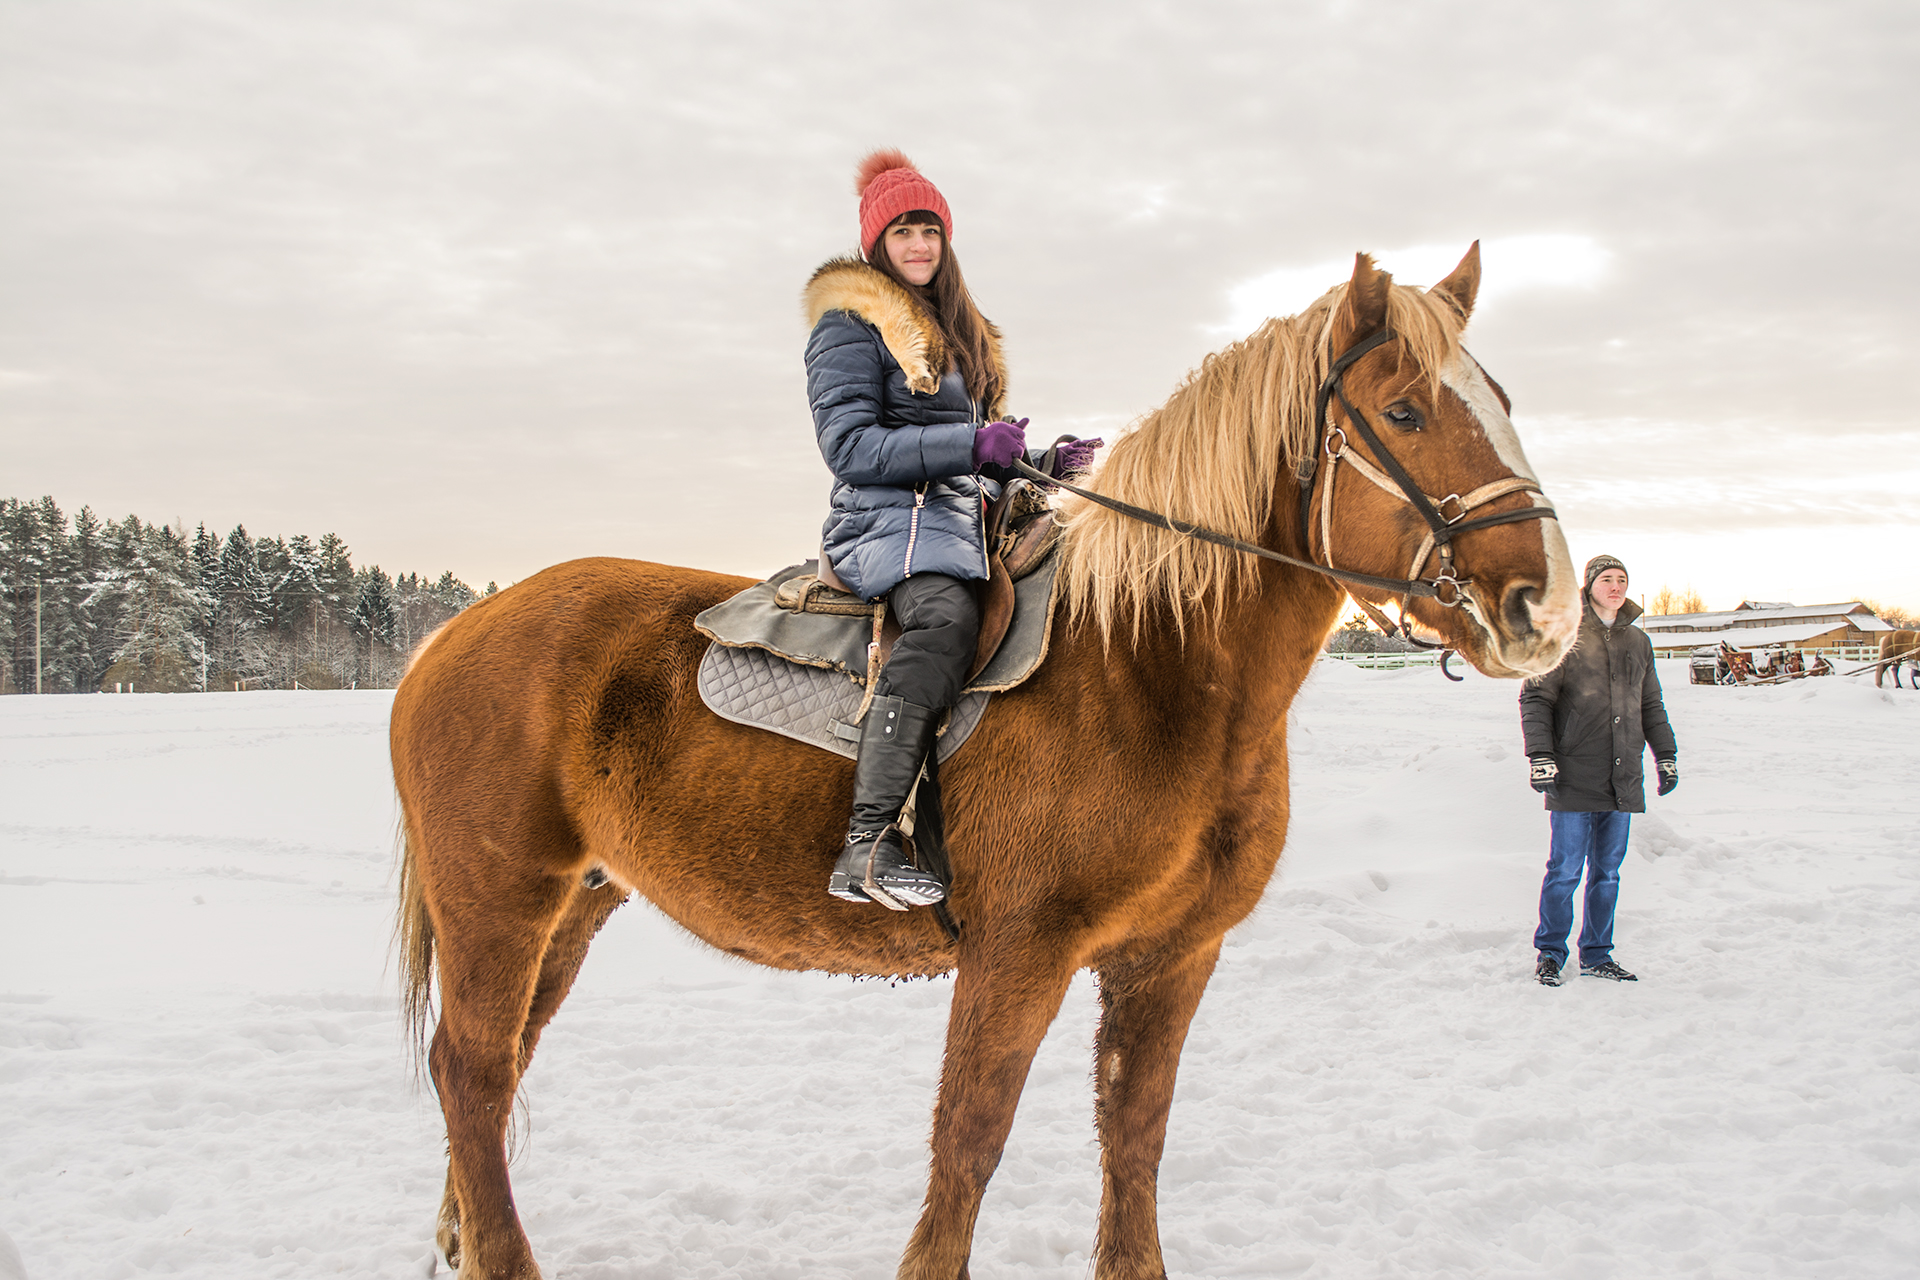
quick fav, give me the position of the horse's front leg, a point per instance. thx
(1144, 1013)
(1004, 999)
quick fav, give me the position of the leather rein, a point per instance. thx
(1445, 588)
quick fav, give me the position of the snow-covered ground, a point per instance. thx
(201, 1071)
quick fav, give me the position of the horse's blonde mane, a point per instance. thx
(1214, 455)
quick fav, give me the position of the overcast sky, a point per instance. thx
(488, 286)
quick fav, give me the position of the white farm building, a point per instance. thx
(1764, 625)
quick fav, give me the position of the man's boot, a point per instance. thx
(873, 867)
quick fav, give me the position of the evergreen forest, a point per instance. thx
(89, 605)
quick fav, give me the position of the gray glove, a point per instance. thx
(1543, 774)
(1669, 771)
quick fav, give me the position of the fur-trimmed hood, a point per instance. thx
(905, 325)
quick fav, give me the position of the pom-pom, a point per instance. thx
(878, 163)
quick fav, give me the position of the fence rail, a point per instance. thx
(1396, 661)
(1831, 652)
(1386, 661)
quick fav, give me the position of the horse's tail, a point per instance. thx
(413, 939)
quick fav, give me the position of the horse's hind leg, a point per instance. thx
(1004, 999)
(1144, 1014)
(492, 930)
(566, 951)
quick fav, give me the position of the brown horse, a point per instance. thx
(1120, 812)
(1894, 647)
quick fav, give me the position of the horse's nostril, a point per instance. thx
(1517, 609)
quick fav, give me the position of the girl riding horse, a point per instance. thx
(907, 385)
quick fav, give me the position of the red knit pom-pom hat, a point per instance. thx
(888, 186)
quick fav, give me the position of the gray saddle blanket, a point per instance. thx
(804, 675)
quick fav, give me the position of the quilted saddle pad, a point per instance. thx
(809, 704)
(803, 675)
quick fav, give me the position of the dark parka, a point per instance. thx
(896, 428)
(1596, 713)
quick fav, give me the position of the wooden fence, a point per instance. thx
(1835, 654)
(1387, 661)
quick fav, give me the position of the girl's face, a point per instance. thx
(914, 248)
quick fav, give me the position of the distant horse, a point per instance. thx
(1119, 812)
(1904, 645)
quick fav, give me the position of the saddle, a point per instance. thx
(1020, 534)
(799, 655)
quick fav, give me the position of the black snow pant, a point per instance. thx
(939, 628)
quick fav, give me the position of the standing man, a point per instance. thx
(1586, 723)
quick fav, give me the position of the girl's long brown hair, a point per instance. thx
(965, 331)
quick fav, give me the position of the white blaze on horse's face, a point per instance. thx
(1556, 615)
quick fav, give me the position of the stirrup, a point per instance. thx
(874, 868)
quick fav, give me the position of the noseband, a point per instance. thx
(1445, 588)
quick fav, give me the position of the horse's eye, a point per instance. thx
(1405, 417)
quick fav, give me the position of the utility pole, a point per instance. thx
(36, 637)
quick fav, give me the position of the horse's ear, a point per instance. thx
(1363, 311)
(1463, 286)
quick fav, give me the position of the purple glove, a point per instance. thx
(1073, 458)
(1000, 443)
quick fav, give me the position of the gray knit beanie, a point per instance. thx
(1600, 564)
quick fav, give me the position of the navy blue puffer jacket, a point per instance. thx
(896, 429)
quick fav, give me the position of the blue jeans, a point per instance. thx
(1595, 842)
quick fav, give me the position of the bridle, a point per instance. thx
(1445, 588)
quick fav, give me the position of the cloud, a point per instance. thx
(1509, 265)
(487, 286)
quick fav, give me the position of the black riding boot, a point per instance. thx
(894, 741)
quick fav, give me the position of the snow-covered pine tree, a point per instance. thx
(125, 600)
(337, 585)
(35, 596)
(206, 557)
(90, 565)
(374, 627)
(21, 564)
(156, 602)
(243, 614)
(454, 594)
(61, 640)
